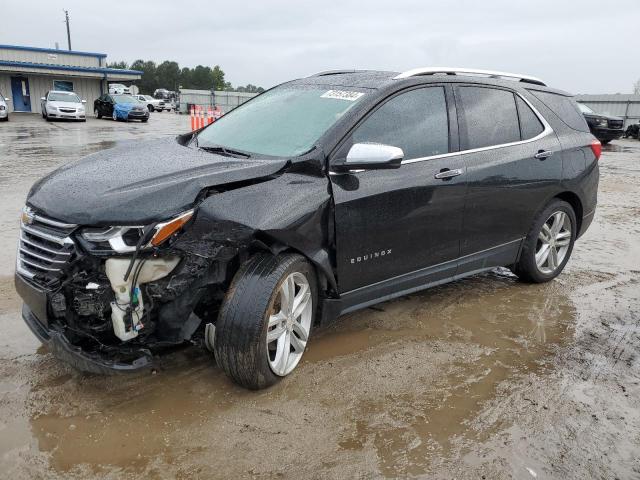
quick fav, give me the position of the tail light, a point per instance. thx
(596, 148)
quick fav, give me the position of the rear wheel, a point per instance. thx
(548, 246)
(265, 320)
(97, 113)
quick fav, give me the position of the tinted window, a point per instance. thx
(565, 108)
(489, 117)
(415, 121)
(530, 125)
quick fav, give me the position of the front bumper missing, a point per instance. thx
(87, 362)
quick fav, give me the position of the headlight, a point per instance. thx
(81, 109)
(52, 108)
(602, 122)
(123, 239)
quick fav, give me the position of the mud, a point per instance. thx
(483, 378)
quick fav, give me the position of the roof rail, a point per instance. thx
(332, 72)
(468, 71)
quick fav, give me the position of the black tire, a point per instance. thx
(526, 269)
(144, 120)
(240, 346)
(150, 107)
(605, 142)
(98, 114)
(5, 119)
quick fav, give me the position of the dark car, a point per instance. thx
(604, 127)
(632, 131)
(319, 197)
(120, 107)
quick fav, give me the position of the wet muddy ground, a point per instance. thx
(483, 378)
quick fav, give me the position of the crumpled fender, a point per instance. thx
(122, 110)
(291, 211)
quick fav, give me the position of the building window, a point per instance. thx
(63, 85)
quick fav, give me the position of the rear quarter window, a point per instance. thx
(565, 108)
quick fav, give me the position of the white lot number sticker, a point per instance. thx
(342, 95)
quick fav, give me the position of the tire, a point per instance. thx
(114, 116)
(248, 314)
(605, 142)
(5, 119)
(557, 214)
(144, 120)
(150, 107)
(97, 114)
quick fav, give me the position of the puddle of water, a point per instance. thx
(516, 328)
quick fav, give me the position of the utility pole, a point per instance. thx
(66, 17)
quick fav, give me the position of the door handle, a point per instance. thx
(542, 154)
(446, 174)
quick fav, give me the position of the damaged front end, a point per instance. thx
(108, 299)
(95, 295)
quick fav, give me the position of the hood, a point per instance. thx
(139, 183)
(65, 104)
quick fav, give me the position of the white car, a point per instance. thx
(59, 104)
(119, 89)
(152, 103)
(4, 108)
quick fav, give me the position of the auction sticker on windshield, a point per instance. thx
(342, 95)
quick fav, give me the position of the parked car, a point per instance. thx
(604, 127)
(62, 105)
(152, 103)
(4, 108)
(319, 197)
(119, 89)
(633, 131)
(120, 107)
(164, 94)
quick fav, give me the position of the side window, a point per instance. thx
(415, 121)
(488, 117)
(565, 107)
(530, 124)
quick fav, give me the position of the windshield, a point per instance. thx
(124, 99)
(63, 97)
(584, 109)
(285, 121)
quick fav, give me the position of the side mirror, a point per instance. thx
(84, 101)
(42, 98)
(371, 156)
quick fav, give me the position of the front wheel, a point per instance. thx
(549, 244)
(265, 320)
(114, 116)
(97, 114)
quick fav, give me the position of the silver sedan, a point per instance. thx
(57, 104)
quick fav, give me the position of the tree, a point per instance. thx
(149, 81)
(168, 75)
(121, 65)
(636, 88)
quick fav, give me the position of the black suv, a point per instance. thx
(604, 127)
(316, 198)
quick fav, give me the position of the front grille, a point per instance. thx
(67, 110)
(615, 123)
(44, 249)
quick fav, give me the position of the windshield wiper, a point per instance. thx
(230, 152)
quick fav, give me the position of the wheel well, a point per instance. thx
(573, 200)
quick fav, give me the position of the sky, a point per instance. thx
(585, 46)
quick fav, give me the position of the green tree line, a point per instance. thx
(169, 75)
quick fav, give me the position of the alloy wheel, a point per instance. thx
(289, 324)
(553, 243)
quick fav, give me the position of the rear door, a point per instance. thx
(514, 165)
(389, 223)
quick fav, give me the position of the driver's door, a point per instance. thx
(392, 225)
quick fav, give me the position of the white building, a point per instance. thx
(27, 73)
